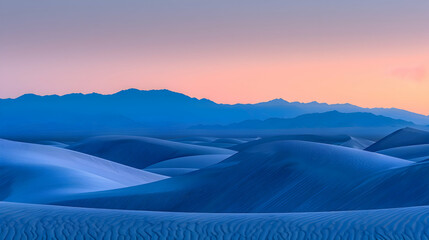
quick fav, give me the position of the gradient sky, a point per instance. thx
(371, 53)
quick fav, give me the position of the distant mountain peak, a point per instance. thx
(138, 91)
(159, 93)
(276, 101)
(27, 96)
(130, 90)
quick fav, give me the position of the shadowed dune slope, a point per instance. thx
(25, 221)
(195, 139)
(39, 173)
(328, 139)
(230, 140)
(141, 152)
(399, 187)
(182, 165)
(199, 161)
(408, 152)
(171, 172)
(214, 142)
(403, 137)
(278, 176)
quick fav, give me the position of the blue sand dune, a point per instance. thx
(182, 165)
(39, 173)
(171, 172)
(195, 139)
(54, 143)
(215, 142)
(399, 187)
(403, 137)
(141, 152)
(280, 176)
(283, 187)
(198, 161)
(358, 143)
(328, 139)
(413, 152)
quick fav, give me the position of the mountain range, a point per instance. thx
(331, 119)
(153, 109)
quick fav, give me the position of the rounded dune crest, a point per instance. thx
(141, 152)
(39, 173)
(403, 137)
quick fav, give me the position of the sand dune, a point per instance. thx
(328, 139)
(25, 221)
(54, 143)
(214, 142)
(199, 161)
(359, 143)
(413, 153)
(182, 165)
(278, 176)
(272, 188)
(197, 139)
(403, 137)
(230, 140)
(399, 187)
(141, 152)
(39, 173)
(171, 172)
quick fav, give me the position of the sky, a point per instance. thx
(370, 53)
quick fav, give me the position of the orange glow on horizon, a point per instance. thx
(380, 79)
(370, 54)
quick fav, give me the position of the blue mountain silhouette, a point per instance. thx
(132, 109)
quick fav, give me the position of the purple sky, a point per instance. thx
(369, 53)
